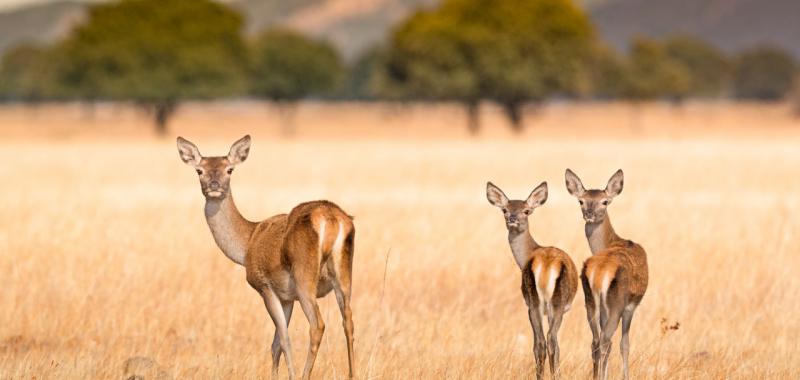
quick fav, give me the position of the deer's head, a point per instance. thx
(594, 202)
(214, 172)
(516, 212)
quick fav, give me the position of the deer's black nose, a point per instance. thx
(213, 185)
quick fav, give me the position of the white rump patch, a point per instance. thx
(321, 240)
(606, 282)
(551, 283)
(537, 275)
(336, 251)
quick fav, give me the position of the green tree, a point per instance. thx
(287, 67)
(28, 73)
(510, 51)
(430, 59)
(156, 53)
(708, 68)
(764, 73)
(796, 94)
(605, 72)
(527, 50)
(362, 74)
(650, 73)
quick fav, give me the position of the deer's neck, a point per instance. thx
(230, 229)
(601, 235)
(522, 246)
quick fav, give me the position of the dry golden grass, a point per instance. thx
(105, 255)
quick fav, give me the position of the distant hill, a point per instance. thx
(730, 24)
(42, 23)
(354, 25)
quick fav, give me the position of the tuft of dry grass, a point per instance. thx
(107, 264)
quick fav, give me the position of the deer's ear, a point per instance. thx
(188, 152)
(239, 150)
(574, 184)
(538, 196)
(495, 195)
(614, 186)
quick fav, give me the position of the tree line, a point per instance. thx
(517, 53)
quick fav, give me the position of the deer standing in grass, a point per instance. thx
(549, 277)
(296, 257)
(615, 277)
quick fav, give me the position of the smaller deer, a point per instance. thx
(300, 256)
(549, 277)
(614, 279)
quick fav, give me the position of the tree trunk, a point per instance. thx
(287, 111)
(473, 117)
(795, 95)
(163, 112)
(637, 116)
(89, 107)
(513, 110)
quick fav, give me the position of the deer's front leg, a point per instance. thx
(280, 314)
(276, 342)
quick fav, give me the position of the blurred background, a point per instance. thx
(399, 111)
(515, 56)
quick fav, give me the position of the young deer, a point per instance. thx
(300, 256)
(615, 277)
(549, 277)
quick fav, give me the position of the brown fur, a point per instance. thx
(625, 262)
(539, 265)
(298, 256)
(614, 279)
(567, 276)
(286, 244)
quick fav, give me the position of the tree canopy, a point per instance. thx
(27, 72)
(651, 74)
(156, 53)
(510, 51)
(288, 66)
(708, 68)
(764, 73)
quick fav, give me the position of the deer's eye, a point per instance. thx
(505, 211)
(527, 212)
(580, 202)
(230, 170)
(605, 202)
(199, 172)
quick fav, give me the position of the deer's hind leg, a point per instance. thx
(539, 345)
(342, 267)
(624, 344)
(614, 306)
(554, 321)
(593, 317)
(306, 272)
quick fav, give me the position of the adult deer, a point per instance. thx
(615, 277)
(296, 257)
(549, 277)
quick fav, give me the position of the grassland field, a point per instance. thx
(105, 254)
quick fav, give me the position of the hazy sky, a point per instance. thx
(9, 4)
